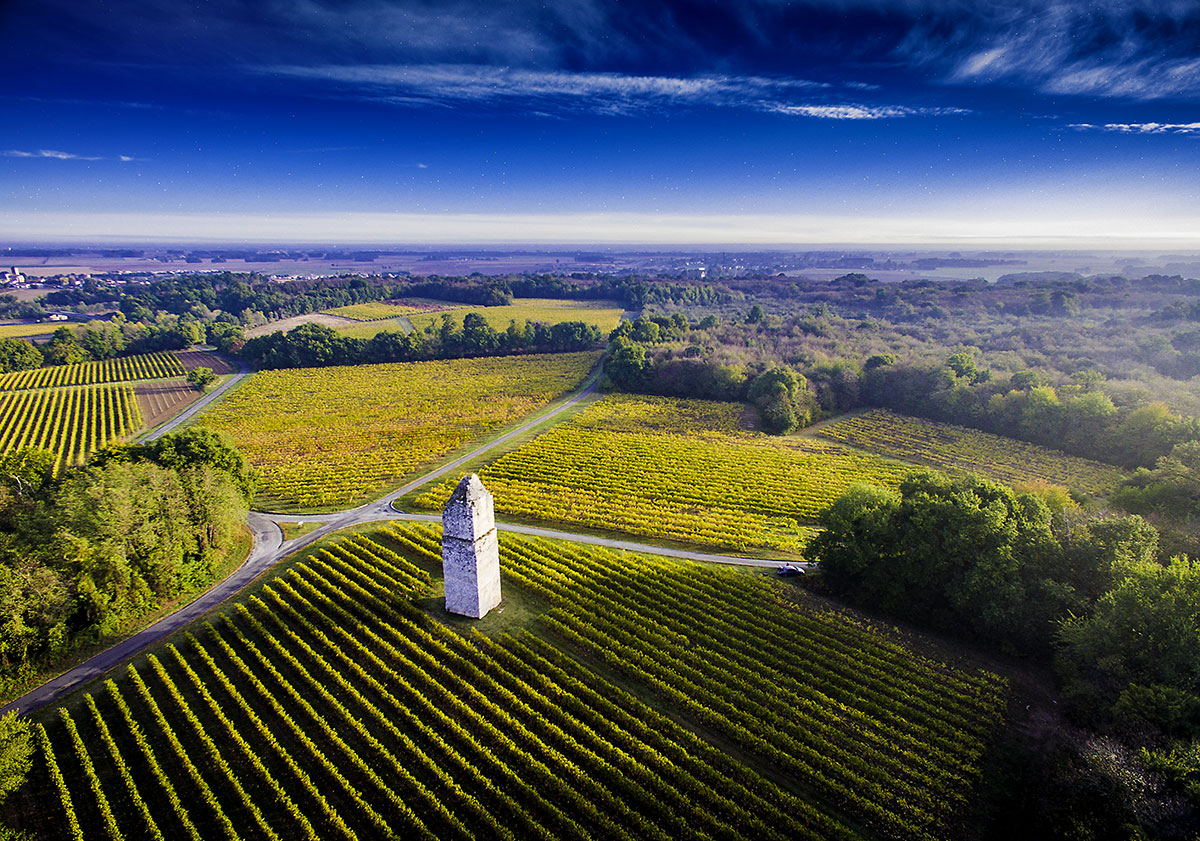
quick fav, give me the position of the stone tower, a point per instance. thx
(470, 553)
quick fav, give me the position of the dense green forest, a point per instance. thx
(84, 554)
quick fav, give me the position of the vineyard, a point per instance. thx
(333, 436)
(959, 449)
(604, 314)
(24, 331)
(69, 422)
(674, 469)
(379, 310)
(331, 706)
(147, 366)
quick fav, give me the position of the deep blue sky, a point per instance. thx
(577, 121)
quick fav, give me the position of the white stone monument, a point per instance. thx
(470, 553)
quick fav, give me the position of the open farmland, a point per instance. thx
(679, 470)
(146, 366)
(604, 314)
(333, 706)
(958, 449)
(69, 422)
(220, 365)
(334, 436)
(24, 331)
(380, 310)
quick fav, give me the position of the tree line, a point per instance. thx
(314, 345)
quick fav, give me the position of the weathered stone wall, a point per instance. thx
(470, 552)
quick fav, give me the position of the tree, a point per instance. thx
(879, 360)
(626, 365)
(201, 378)
(1138, 653)
(478, 337)
(963, 555)
(198, 446)
(19, 355)
(1171, 488)
(63, 348)
(646, 331)
(783, 399)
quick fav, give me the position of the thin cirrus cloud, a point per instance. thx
(1133, 49)
(57, 155)
(448, 85)
(1142, 128)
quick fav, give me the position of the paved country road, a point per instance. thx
(270, 548)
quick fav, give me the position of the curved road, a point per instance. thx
(270, 548)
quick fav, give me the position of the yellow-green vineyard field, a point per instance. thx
(604, 314)
(334, 436)
(958, 449)
(680, 470)
(69, 422)
(332, 707)
(146, 366)
(376, 310)
(24, 331)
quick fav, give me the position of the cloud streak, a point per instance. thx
(53, 154)
(1142, 128)
(1132, 49)
(605, 93)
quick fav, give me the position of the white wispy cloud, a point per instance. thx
(56, 154)
(1133, 49)
(862, 112)
(607, 93)
(1142, 128)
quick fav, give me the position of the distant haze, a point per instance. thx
(611, 229)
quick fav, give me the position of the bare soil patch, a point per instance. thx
(202, 359)
(162, 400)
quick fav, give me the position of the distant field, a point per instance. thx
(24, 331)
(379, 310)
(69, 422)
(288, 324)
(147, 366)
(335, 706)
(676, 469)
(956, 448)
(604, 314)
(334, 436)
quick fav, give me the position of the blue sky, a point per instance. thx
(841, 121)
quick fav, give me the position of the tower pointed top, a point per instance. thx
(469, 512)
(469, 489)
